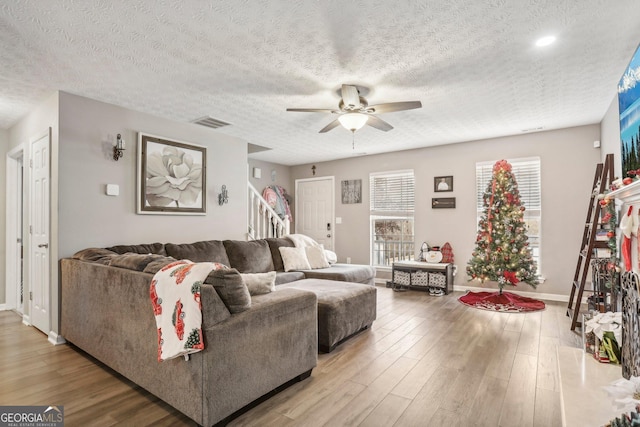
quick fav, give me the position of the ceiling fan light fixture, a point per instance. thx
(353, 121)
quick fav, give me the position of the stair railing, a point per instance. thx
(264, 222)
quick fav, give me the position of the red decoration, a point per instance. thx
(511, 277)
(503, 302)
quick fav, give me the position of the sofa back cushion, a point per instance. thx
(275, 243)
(231, 288)
(249, 257)
(98, 255)
(145, 248)
(207, 251)
(137, 262)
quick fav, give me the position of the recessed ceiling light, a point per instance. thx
(545, 41)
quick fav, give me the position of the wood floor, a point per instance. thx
(427, 361)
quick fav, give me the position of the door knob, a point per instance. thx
(43, 245)
(328, 235)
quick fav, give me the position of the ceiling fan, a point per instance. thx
(354, 111)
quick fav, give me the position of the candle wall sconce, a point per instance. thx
(118, 149)
(223, 197)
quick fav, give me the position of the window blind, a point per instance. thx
(392, 193)
(527, 173)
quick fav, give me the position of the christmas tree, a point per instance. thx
(502, 253)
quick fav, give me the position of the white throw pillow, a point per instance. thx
(260, 283)
(294, 259)
(331, 256)
(316, 258)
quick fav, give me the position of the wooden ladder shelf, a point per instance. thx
(601, 181)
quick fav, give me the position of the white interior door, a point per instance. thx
(39, 276)
(315, 209)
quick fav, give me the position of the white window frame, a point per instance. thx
(404, 212)
(530, 189)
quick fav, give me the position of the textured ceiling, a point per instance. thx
(473, 64)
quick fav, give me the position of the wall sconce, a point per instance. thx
(223, 197)
(118, 149)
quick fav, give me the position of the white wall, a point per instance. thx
(88, 217)
(568, 162)
(282, 175)
(610, 136)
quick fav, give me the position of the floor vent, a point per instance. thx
(210, 122)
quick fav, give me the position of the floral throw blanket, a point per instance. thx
(175, 296)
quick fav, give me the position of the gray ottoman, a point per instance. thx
(344, 309)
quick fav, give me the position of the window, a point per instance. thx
(527, 173)
(391, 214)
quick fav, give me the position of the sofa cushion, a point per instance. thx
(316, 257)
(345, 273)
(294, 259)
(249, 257)
(154, 266)
(206, 251)
(260, 283)
(133, 261)
(98, 255)
(283, 277)
(275, 243)
(145, 248)
(231, 288)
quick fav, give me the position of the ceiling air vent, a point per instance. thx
(537, 129)
(210, 122)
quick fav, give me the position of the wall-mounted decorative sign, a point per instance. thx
(351, 191)
(171, 177)
(442, 183)
(443, 203)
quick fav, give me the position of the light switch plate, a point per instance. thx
(113, 189)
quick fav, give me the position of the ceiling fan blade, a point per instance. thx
(350, 97)
(378, 123)
(394, 106)
(312, 110)
(334, 124)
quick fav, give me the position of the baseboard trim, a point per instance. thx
(26, 320)
(3, 307)
(538, 295)
(56, 339)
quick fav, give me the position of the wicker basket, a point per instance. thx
(437, 280)
(401, 278)
(420, 278)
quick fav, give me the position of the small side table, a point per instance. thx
(421, 275)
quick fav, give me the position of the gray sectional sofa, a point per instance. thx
(255, 344)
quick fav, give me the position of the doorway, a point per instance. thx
(315, 210)
(14, 273)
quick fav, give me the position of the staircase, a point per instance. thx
(264, 222)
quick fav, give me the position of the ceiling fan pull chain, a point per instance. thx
(353, 140)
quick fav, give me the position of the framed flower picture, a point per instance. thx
(171, 177)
